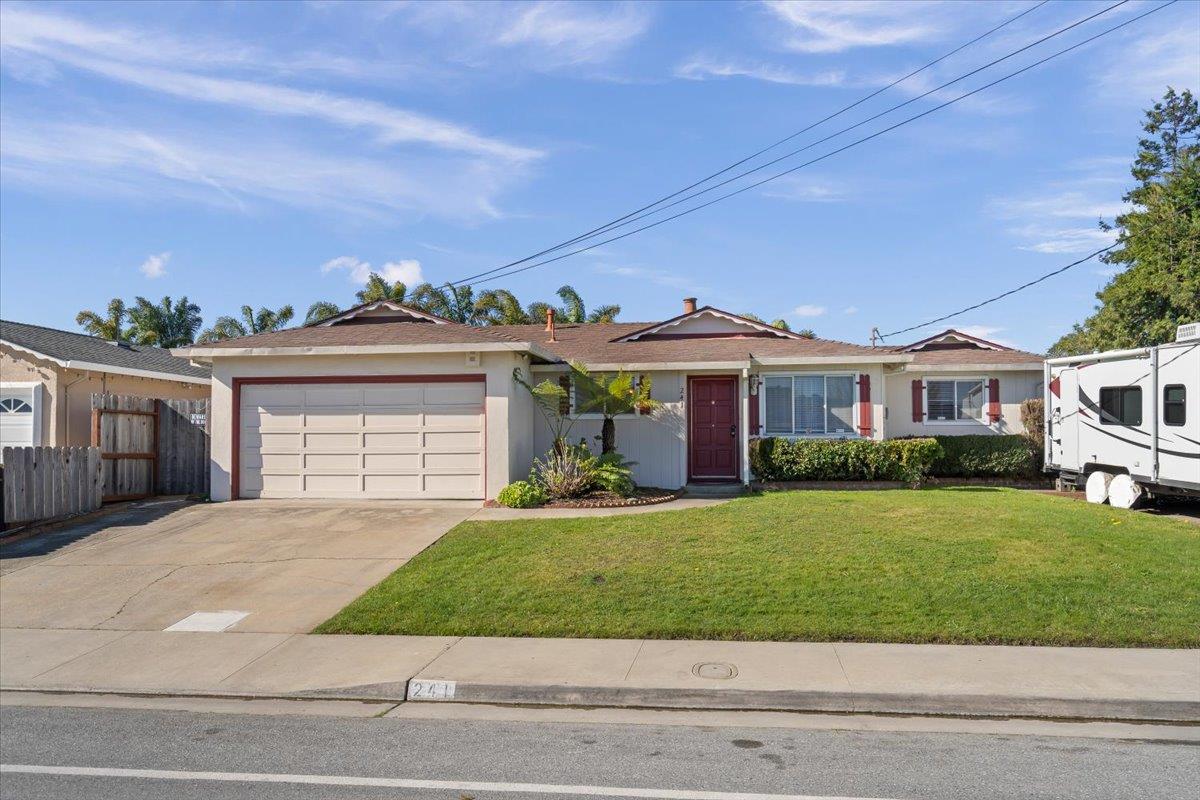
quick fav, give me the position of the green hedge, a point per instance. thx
(843, 459)
(983, 456)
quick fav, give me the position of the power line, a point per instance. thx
(609, 225)
(831, 153)
(836, 134)
(1034, 282)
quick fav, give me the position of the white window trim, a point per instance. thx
(37, 393)
(856, 424)
(987, 397)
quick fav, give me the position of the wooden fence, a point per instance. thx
(151, 446)
(48, 482)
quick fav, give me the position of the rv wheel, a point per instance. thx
(1096, 490)
(1125, 492)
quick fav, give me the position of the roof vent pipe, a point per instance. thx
(689, 305)
(550, 323)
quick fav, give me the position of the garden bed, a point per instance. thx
(642, 496)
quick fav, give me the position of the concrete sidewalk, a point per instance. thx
(1087, 683)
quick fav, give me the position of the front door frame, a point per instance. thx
(735, 380)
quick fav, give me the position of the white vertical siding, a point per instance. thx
(657, 443)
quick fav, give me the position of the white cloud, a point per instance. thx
(804, 189)
(832, 27)
(850, 310)
(229, 171)
(540, 35)
(656, 276)
(407, 271)
(702, 68)
(103, 52)
(808, 310)
(1143, 69)
(1066, 240)
(576, 33)
(1065, 204)
(155, 266)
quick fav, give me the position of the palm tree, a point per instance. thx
(106, 327)
(165, 324)
(377, 288)
(611, 395)
(604, 313)
(782, 324)
(806, 333)
(573, 311)
(501, 307)
(252, 322)
(320, 311)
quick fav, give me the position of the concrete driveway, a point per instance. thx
(286, 566)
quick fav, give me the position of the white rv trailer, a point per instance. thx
(1128, 413)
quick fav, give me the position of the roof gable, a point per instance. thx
(382, 311)
(707, 323)
(951, 339)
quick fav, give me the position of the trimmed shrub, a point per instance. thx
(1033, 419)
(521, 494)
(774, 459)
(982, 456)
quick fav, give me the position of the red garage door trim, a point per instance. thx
(235, 458)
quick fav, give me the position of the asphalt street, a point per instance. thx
(62, 752)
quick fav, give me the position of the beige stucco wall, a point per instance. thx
(67, 394)
(501, 403)
(1015, 387)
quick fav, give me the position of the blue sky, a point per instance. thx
(270, 153)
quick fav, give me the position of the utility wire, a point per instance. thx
(836, 134)
(1034, 282)
(841, 149)
(608, 225)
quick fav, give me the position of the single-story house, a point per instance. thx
(47, 378)
(386, 401)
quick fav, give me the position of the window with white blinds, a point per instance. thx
(808, 405)
(949, 401)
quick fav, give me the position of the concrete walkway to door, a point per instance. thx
(280, 566)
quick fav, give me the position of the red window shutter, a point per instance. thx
(993, 400)
(864, 406)
(918, 402)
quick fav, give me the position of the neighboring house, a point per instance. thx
(47, 378)
(388, 401)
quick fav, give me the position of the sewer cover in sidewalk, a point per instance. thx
(209, 621)
(715, 671)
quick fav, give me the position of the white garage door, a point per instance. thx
(381, 440)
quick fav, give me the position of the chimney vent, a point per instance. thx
(550, 323)
(689, 305)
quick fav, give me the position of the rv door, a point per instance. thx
(1064, 443)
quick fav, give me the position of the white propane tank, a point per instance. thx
(1096, 490)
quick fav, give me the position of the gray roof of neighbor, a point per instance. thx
(68, 346)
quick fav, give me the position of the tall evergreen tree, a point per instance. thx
(1158, 240)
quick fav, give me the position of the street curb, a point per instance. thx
(957, 705)
(960, 705)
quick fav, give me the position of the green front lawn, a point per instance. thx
(961, 565)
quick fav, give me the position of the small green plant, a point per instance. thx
(566, 472)
(613, 473)
(521, 494)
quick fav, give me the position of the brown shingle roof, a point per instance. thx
(385, 333)
(593, 343)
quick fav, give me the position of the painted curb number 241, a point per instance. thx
(431, 690)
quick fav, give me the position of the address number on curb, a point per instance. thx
(431, 690)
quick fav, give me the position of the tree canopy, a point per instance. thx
(1158, 240)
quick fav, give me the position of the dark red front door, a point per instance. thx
(713, 427)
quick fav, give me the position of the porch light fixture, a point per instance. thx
(754, 381)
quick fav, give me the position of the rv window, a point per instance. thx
(1174, 408)
(1121, 405)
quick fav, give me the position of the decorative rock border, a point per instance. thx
(643, 496)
